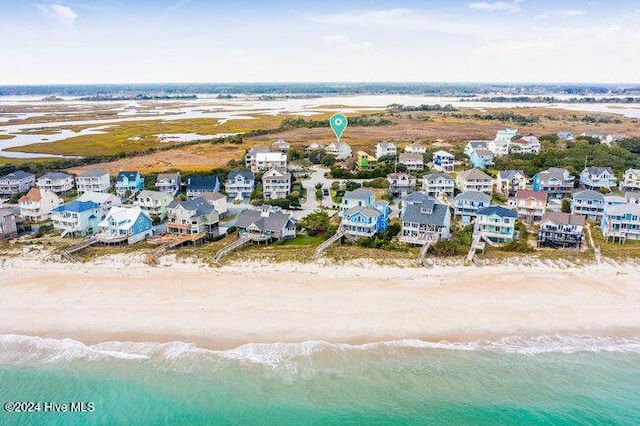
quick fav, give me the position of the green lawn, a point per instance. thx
(304, 240)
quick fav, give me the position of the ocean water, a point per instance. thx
(546, 380)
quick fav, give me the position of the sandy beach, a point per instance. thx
(252, 303)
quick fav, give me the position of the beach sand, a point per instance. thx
(252, 303)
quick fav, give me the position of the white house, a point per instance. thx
(218, 201)
(250, 156)
(280, 145)
(55, 182)
(401, 183)
(473, 145)
(268, 160)
(525, 145)
(598, 178)
(385, 148)
(340, 150)
(631, 181)
(438, 184)
(94, 180)
(415, 148)
(474, 180)
(168, 182)
(412, 161)
(37, 204)
(239, 184)
(621, 222)
(276, 183)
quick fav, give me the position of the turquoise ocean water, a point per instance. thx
(547, 380)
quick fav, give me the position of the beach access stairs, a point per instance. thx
(167, 242)
(68, 252)
(479, 243)
(423, 253)
(325, 244)
(237, 244)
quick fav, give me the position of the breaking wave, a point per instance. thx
(25, 350)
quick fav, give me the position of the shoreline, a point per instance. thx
(224, 308)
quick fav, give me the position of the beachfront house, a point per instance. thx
(154, 203)
(169, 183)
(129, 183)
(467, 204)
(531, 205)
(411, 161)
(415, 148)
(37, 204)
(16, 182)
(561, 230)
(365, 161)
(250, 156)
(474, 180)
(314, 146)
(266, 224)
(508, 182)
(556, 182)
(443, 161)
(621, 222)
(94, 180)
(239, 184)
(8, 223)
(77, 218)
(280, 145)
(597, 178)
(473, 145)
(276, 183)
(495, 223)
(340, 150)
(438, 185)
(56, 182)
(424, 220)
(198, 185)
(365, 221)
(525, 145)
(192, 217)
(401, 183)
(360, 197)
(481, 158)
(218, 201)
(631, 181)
(386, 148)
(614, 200)
(103, 199)
(125, 224)
(588, 203)
(264, 161)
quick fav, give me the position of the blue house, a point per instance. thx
(133, 182)
(77, 218)
(496, 223)
(365, 222)
(125, 225)
(358, 198)
(198, 185)
(557, 182)
(467, 204)
(481, 158)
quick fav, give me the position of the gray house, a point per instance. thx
(424, 220)
(588, 203)
(265, 225)
(16, 182)
(467, 204)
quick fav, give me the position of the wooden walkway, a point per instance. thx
(169, 241)
(230, 248)
(423, 253)
(68, 253)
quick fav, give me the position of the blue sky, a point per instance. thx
(112, 41)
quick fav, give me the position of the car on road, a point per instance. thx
(325, 192)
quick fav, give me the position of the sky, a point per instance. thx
(117, 41)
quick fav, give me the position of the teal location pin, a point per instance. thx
(338, 123)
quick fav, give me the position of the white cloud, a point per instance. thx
(497, 6)
(64, 15)
(561, 13)
(344, 41)
(404, 20)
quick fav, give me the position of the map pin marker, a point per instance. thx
(338, 123)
